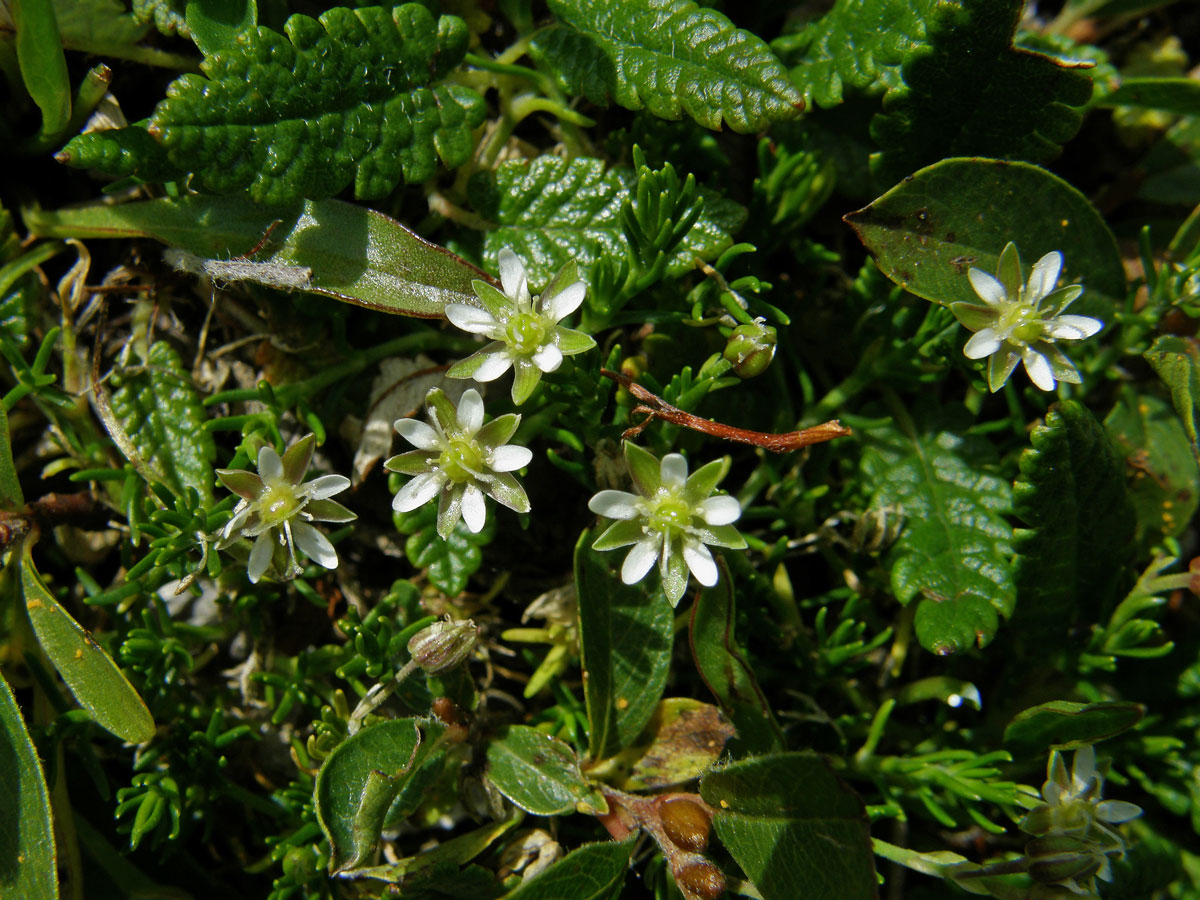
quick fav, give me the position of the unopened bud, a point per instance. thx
(750, 349)
(701, 881)
(443, 645)
(1057, 858)
(685, 823)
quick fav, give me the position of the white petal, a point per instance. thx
(615, 504)
(270, 466)
(471, 318)
(260, 556)
(564, 302)
(723, 510)
(418, 492)
(470, 411)
(512, 276)
(1038, 368)
(639, 560)
(474, 510)
(1072, 328)
(314, 545)
(417, 433)
(1044, 276)
(510, 457)
(982, 343)
(494, 365)
(548, 358)
(673, 471)
(1083, 769)
(989, 289)
(326, 486)
(700, 561)
(240, 513)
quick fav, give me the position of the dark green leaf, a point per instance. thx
(593, 872)
(1175, 95)
(1063, 725)
(43, 65)
(539, 773)
(1073, 557)
(724, 669)
(625, 637)
(1177, 362)
(121, 152)
(101, 27)
(970, 91)
(28, 864)
(794, 828)
(356, 255)
(161, 412)
(451, 562)
(953, 554)
(90, 673)
(11, 497)
(670, 57)
(216, 24)
(927, 231)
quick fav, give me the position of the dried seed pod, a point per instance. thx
(685, 823)
(701, 881)
(446, 710)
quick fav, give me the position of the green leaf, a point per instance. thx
(927, 231)
(725, 670)
(858, 44)
(356, 255)
(451, 562)
(11, 497)
(28, 860)
(794, 828)
(100, 27)
(1177, 362)
(216, 24)
(593, 872)
(161, 413)
(90, 673)
(1072, 559)
(625, 638)
(1180, 96)
(354, 97)
(168, 16)
(538, 773)
(670, 57)
(953, 554)
(43, 65)
(551, 210)
(970, 91)
(1162, 477)
(1063, 725)
(121, 152)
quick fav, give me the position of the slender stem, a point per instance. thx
(377, 695)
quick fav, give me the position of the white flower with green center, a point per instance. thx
(524, 331)
(670, 519)
(459, 459)
(276, 509)
(1022, 322)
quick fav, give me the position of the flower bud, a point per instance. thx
(1060, 857)
(701, 881)
(750, 349)
(685, 823)
(443, 645)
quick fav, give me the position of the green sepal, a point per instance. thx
(1008, 271)
(572, 342)
(499, 431)
(644, 469)
(526, 377)
(704, 481)
(297, 459)
(619, 534)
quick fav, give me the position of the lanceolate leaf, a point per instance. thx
(1073, 556)
(11, 497)
(1177, 362)
(593, 872)
(1064, 725)
(1175, 95)
(539, 773)
(27, 853)
(670, 57)
(355, 97)
(43, 65)
(953, 555)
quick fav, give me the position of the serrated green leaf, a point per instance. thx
(927, 231)
(953, 554)
(1177, 362)
(121, 152)
(168, 16)
(355, 96)
(89, 672)
(625, 638)
(43, 65)
(969, 91)
(670, 57)
(1174, 95)
(551, 210)
(28, 861)
(216, 24)
(356, 255)
(1064, 725)
(538, 773)
(592, 872)
(451, 562)
(1072, 558)
(162, 414)
(858, 44)
(781, 818)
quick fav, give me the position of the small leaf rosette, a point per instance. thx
(525, 333)
(1022, 322)
(276, 509)
(670, 520)
(458, 460)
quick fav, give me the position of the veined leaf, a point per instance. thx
(970, 91)
(1177, 362)
(953, 554)
(162, 414)
(351, 97)
(1072, 558)
(670, 57)
(43, 65)
(1064, 725)
(28, 867)
(593, 872)
(539, 773)
(216, 24)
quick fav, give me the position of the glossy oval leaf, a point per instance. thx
(592, 872)
(538, 773)
(42, 62)
(28, 858)
(1063, 725)
(89, 672)
(931, 228)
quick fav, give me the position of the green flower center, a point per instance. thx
(278, 503)
(670, 514)
(460, 460)
(1021, 324)
(526, 333)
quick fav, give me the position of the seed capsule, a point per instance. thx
(443, 645)
(701, 881)
(685, 823)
